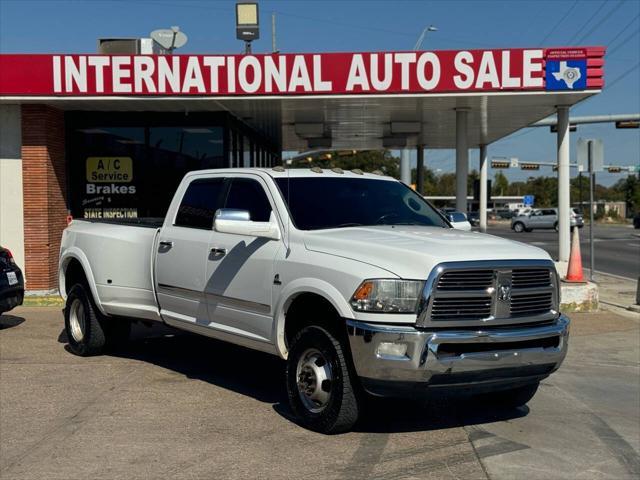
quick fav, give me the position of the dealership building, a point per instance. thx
(110, 136)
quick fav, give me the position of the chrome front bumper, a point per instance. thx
(444, 359)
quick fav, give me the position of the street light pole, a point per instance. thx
(405, 168)
(426, 30)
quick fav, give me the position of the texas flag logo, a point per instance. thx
(566, 74)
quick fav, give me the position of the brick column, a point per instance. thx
(45, 193)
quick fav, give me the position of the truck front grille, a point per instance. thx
(489, 293)
(531, 277)
(466, 280)
(529, 304)
(461, 308)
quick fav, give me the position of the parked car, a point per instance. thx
(354, 279)
(503, 214)
(474, 218)
(457, 219)
(11, 282)
(543, 218)
(636, 220)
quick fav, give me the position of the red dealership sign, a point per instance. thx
(284, 74)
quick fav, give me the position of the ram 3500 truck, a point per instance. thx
(353, 278)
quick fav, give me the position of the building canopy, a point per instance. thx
(324, 100)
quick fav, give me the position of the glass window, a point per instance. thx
(247, 194)
(458, 217)
(199, 204)
(317, 203)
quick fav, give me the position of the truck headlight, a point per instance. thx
(387, 296)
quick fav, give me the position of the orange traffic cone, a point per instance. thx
(574, 271)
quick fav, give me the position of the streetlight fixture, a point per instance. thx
(426, 30)
(247, 24)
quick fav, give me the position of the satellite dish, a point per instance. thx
(169, 39)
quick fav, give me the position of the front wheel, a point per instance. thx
(555, 227)
(320, 385)
(518, 227)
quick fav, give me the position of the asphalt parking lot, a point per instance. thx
(173, 405)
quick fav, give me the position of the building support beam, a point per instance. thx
(482, 209)
(420, 169)
(462, 159)
(564, 201)
(405, 167)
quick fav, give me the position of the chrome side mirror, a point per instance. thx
(239, 222)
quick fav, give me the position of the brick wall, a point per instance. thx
(44, 183)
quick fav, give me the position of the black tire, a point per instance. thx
(84, 330)
(514, 398)
(97, 333)
(555, 227)
(341, 410)
(518, 227)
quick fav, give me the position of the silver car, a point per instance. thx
(543, 218)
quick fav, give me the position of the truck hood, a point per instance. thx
(412, 251)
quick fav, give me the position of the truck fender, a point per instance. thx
(77, 254)
(291, 291)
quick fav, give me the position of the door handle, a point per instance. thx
(166, 244)
(219, 251)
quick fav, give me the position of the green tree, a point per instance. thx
(629, 190)
(500, 184)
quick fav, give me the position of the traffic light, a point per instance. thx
(614, 169)
(500, 164)
(572, 128)
(628, 124)
(530, 166)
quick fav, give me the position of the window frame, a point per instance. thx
(250, 178)
(222, 196)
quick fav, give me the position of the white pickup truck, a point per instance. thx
(353, 278)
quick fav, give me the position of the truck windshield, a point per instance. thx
(319, 203)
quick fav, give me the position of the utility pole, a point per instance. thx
(592, 181)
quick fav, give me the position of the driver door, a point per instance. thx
(241, 269)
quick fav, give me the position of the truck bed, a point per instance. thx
(121, 256)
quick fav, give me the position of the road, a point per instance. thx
(173, 405)
(617, 248)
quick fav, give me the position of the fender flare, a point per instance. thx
(74, 253)
(293, 290)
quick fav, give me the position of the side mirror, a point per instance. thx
(239, 222)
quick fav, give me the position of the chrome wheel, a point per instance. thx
(76, 320)
(314, 380)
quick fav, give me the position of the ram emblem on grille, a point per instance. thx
(504, 292)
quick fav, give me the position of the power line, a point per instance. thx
(620, 77)
(587, 22)
(564, 17)
(625, 40)
(624, 29)
(606, 17)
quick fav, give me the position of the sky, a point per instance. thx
(56, 26)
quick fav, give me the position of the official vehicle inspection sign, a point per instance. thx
(448, 71)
